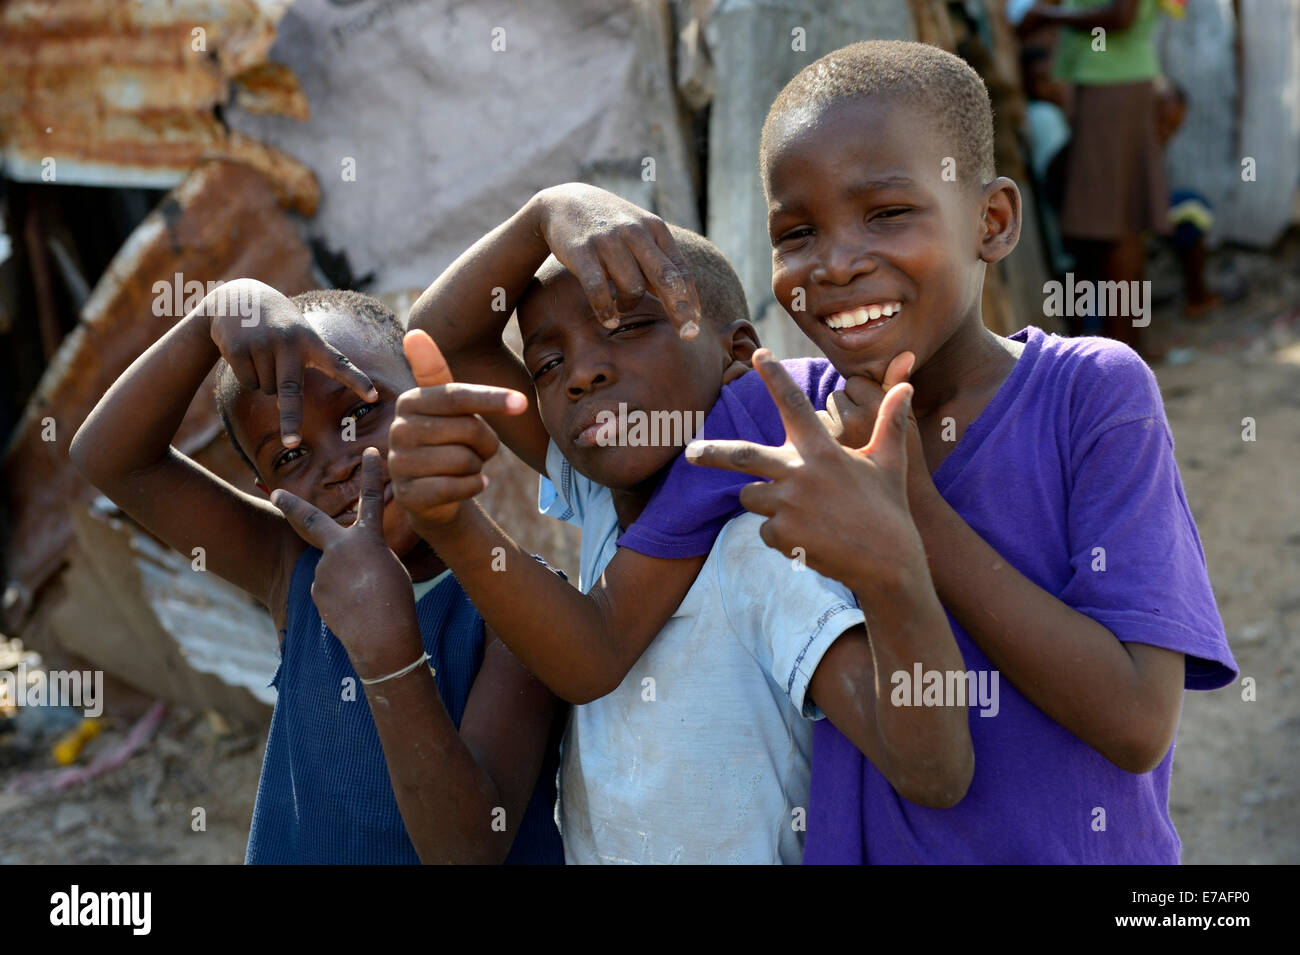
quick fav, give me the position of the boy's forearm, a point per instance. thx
(926, 750)
(564, 637)
(131, 427)
(445, 797)
(466, 309)
(1067, 664)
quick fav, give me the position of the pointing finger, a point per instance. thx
(743, 456)
(328, 360)
(670, 279)
(370, 511)
(803, 429)
(458, 398)
(311, 523)
(288, 395)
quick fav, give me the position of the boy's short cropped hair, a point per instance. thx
(939, 83)
(380, 323)
(722, 297)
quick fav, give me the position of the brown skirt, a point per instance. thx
(1114, 172)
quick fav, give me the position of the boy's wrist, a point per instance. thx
(383, 644)
(450, 533)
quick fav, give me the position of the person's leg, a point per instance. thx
(1200, 297)
(1126, 262)
(1090, 258)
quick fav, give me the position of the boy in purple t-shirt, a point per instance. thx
(1041, 480)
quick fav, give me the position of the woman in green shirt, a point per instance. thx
(1115, 186)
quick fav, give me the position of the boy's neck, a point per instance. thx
(970, 363)
(628, 505)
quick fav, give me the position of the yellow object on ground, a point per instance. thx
(70, 746)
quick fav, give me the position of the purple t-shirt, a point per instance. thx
(1069, 468)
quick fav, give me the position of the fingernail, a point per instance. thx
(290, 440)
(690, 330)
(694, 451)
(611, 322)
(516, 402)
(274, 499)
(372, 394)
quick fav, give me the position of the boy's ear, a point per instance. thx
(743, 342)
(1000, 225)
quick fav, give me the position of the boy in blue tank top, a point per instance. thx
(403, 730)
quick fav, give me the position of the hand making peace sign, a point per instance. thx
(360, 584)
(845, 510)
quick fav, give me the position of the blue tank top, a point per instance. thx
(324, 796)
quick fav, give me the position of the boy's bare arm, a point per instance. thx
(463, 794)
(450, 785)
(924, 752)
(124, 449)
(580, 645)
(1122, 699)
(597, 236)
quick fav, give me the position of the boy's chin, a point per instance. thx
(621, 469)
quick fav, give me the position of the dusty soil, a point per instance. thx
(1236, 788)
(1236, 783)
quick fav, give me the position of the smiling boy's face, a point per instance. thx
(886, 251)
(580, 368)
(325, 467)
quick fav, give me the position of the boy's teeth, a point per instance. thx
(851, 318)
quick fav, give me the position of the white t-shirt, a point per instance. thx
(702, 753)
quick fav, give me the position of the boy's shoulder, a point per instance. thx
(1097, 382)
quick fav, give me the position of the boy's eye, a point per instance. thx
(545, 367)
(801, 232)
(359, 412)
(287, 456)
(891, 213)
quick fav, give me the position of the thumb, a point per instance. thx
(888, 444)
(425, 359)
(900, 369)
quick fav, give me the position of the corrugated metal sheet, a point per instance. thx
(125, 92)
(221, 223)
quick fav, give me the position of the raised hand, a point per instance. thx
(607, 241)
(269, 345)
(850, 417)
(844, 511)
(438, 443)
(360, 587)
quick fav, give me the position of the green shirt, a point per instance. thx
(1129, 56)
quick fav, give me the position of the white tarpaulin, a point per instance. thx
(433, 120)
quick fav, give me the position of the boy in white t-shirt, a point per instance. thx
(691, 743)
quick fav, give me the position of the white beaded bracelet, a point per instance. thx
(402, 672)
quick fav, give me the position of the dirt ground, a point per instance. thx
(1236, 789)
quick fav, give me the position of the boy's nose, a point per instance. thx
(586, 369)
(342, 467)
(843, 263)
(582, 382)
